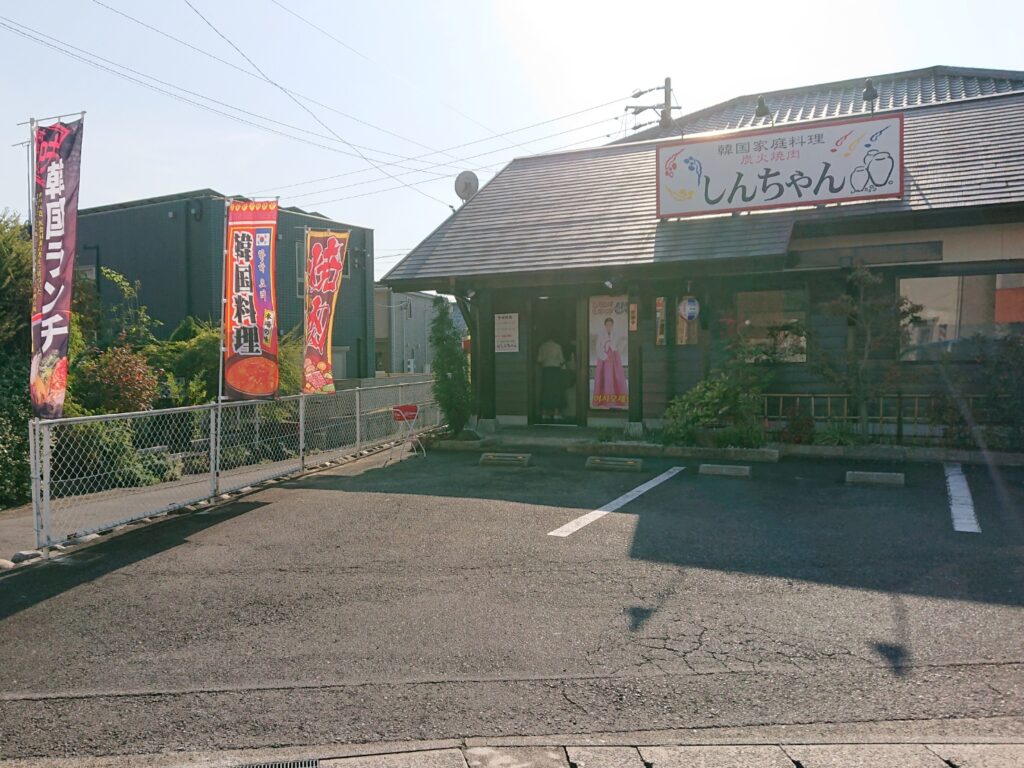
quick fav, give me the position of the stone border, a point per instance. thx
(772, 453)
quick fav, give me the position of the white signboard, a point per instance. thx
(855, 159)
(506, 332)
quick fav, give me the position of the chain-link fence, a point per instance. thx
(96, 472)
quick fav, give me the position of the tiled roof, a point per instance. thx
(597, 207)
(896, 92)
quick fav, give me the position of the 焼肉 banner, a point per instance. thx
(325, 265)
(809, 164)
(58, 156)
(250, 311)
(609, 352)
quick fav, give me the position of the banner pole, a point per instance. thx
(31, 151)
(305, 307)
(223, 305)
(222, 348)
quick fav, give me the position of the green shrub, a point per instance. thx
(15, 412)
(799, 428)
(451, 380)
(719, 401)
(100, 455)
(119, 380)
(837, 432)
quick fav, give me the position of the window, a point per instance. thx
(300, 270)
(959, 307)
(763, 317)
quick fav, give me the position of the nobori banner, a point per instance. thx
(250, 317)
(857, 159)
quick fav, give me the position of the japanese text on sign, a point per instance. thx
(859, 159)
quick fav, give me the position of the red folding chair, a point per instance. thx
(407, 417)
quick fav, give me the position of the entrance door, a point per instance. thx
(555, 390)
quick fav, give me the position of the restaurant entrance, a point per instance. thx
(554, 362)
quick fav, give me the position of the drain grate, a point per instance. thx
(312, 763)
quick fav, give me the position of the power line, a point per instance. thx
(247, 73)
(427, 181)
(433, 152)
(345, 45)
(306, 109)
(429, 167)
(38, 37)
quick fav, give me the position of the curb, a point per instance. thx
(773, 453)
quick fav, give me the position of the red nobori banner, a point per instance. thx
(58, 160)
(325, 265)
(250, 314)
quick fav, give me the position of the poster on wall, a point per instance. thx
(250, 314)
(325, 265)
(58, 156)
(609, 350)
(506, 332)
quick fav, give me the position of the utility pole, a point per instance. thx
(666, 110)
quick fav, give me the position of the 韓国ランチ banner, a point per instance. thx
(58, 156)
(609, 350)
(804, 164)
(325, 265)
(250, 312)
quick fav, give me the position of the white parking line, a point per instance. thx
(611, 506)
(961, 505)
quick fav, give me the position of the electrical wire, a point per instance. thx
(427, 181)
(476, 141)
(306, 109)
(41, 38)
(433, 152)
(345, 45)
(427, 168)
(248, 73)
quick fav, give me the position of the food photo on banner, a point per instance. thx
(56, 171)
(325, 264)
(609, 351)
(250, 313)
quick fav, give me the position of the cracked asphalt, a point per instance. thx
(425, 600)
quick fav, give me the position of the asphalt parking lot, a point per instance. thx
(428, 600)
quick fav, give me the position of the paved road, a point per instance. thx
(427, 600)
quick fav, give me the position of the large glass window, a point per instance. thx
(956, 308)
(769, 318)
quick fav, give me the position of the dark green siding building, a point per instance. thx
(174, 247)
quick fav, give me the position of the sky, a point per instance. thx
(407, 95)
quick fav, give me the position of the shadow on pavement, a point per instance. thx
(798, 520)
(793, 520)
(26, 587)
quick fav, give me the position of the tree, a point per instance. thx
(130, 321)
(15, 283)
(451, 379)
(879, 322)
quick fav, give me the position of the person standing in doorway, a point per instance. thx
(552, 380)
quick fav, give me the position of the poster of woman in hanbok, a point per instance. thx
(609, 352)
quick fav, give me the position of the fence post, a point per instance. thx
(359, 420)
(46, 454)
(33, 452)
(302, 432)
(214, 432)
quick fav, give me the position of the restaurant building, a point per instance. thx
(641, 257)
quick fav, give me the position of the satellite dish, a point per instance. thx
(466, 185)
